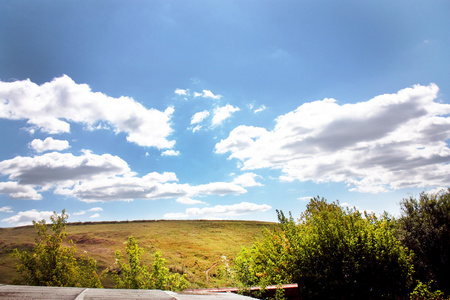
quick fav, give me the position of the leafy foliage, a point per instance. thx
(51, 264)
(134, 275)
(422, 292)
(425, 229)
(332, 253)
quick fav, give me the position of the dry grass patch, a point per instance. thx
(194, 247)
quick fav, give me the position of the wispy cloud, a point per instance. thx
(6, 209)
(220, 211)
(260, 109)
(207, 94)
(222, 113)
(189, 201)
(199, 117)
(83, 212)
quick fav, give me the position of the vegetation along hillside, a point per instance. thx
(199, 249)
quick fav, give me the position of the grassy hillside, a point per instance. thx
(193, 247)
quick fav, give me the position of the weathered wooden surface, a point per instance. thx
(39, 292)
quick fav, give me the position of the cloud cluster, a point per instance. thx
(26, 217)
(51, 107)
(392, 141)
(91, 177)
(220, 211)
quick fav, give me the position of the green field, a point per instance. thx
(195, 248)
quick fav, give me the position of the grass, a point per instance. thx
(195, 248)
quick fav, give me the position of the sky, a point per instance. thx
(148, 110)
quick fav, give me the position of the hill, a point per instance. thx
(195, 247)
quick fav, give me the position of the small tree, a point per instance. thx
(134, 275)
(332, 253)
(51, 264)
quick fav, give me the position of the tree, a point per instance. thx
(51, 264)
(424, 227)
(331, 253)
(134, 275)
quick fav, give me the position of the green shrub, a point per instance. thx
(132, 274)
(51, 264)
(331, 253)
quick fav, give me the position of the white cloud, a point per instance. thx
(48, 144)
(260, 109)
(49, 168)
(304, 198)
(220, 211)
(27, 217)
(170, 153)
(83, 212)
(199, 117)
(16, 191)
(207, 94)
(55, 169)
(196, 128)
(181, 92)
(90, 178)
(6, 209)
(391, 142)
(94, 216)
(437, 190)
(222, 113)
(189, 201)
(51, 106)
(247, 180)
(96, 209)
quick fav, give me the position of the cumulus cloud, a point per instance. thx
(51, 168)
(16, 191)
(222, 113)
(207, 94)
(48, 144)
(390, 142)
(170, 153)
(27, 217)
(146, 187)
(90, 177)
(51, 107)
(199, 117)
(94, 216)
(6, 209)
(220, 211)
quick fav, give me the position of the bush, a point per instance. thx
(331, 253)
(51, 264)
(134, 275)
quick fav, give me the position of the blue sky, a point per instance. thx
(125, 110)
